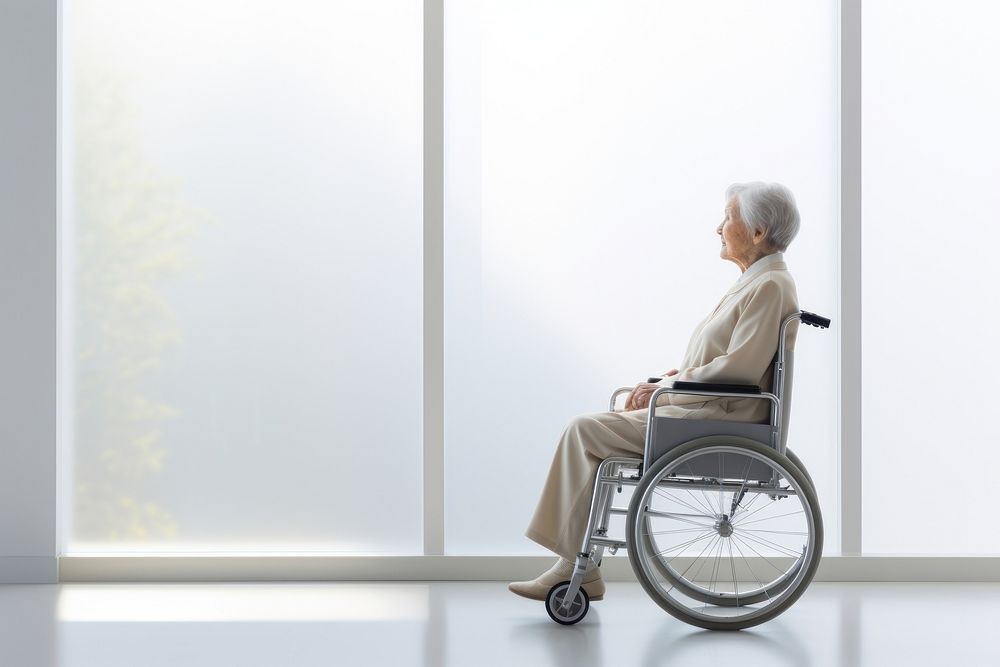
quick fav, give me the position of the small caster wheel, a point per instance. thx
(574, 613)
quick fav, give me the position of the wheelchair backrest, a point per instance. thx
(784, 365)
(772, 433)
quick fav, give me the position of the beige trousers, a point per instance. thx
(561, 516)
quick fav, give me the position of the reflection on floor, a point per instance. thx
(437, 624)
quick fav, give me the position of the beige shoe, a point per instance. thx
(537, 589)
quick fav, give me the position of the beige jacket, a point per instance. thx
(736, 344)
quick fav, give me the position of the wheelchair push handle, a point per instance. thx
(812, 319)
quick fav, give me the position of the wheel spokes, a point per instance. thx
(724, 580)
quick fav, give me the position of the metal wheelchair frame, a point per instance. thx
(616, 472)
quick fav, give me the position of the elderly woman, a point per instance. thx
(734, 344)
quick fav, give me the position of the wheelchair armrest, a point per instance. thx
(715, 389)
(624, 390)
(682, 386)
(718, 386)
(614, 396)
(709, 389)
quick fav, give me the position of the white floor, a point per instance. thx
(473, 624)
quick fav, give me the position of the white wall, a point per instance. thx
(28, 274)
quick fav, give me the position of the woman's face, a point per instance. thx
(738, 244)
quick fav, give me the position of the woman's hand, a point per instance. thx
(639, 397)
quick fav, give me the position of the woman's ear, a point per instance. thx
(758, 236)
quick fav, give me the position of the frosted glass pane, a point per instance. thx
(242, 267)
(588, 147)
(931, 159)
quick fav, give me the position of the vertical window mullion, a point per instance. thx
(850, 275)
(433, 295)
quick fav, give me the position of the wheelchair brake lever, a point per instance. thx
(737, 500)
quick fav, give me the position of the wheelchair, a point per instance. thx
(723, 530)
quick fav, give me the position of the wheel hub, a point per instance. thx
(724, 526)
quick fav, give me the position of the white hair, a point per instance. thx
(769, 207)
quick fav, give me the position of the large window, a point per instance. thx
(931, 159)
(243, 276)
(588, 147)
(242, 265)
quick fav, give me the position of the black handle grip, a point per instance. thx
(814, 320)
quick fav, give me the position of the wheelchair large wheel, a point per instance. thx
(724, 533)
(797, 462)
(698, 593)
